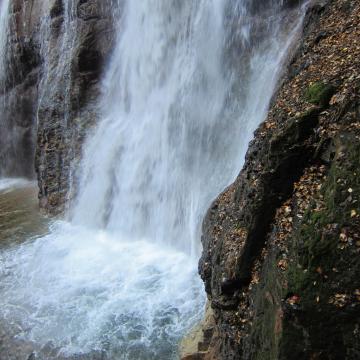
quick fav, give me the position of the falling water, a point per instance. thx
(174, 132)
(4, 23)
(187, 84)
(17, 140)
(4, 18)
(154, 151)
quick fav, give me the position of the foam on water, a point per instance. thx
(7, 184)
(97, 291)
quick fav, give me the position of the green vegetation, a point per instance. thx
(325, 269)
(319, 93)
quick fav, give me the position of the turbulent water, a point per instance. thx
(187, 84)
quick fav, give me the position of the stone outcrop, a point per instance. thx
(19, 92)
(280, 245)
(57, 54)
(80, 40)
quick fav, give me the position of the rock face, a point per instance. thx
(80, 37)
(58, 49)
(280, 245)
(19, 93)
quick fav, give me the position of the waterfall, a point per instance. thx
(155, 149)
(187, 84)
(17, 95)
(4, 46)
(4, 19)
(174, 132)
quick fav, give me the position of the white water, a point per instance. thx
(11, 183)
(16, 137)
(178, 112)
(4, 24)
(4, 19)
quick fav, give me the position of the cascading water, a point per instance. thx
(4, 19)
(4, 24)
(17, 140)
(187, 84)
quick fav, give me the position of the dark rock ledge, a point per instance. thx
(281, 244)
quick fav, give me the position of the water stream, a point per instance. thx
(6, 140)
(187, 84)
(4, 18)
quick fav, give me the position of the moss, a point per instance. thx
(314, 327)
(320, 229)
(319, 93)
(296, 130)
(324, 266)
(266, 329)
(293, 341)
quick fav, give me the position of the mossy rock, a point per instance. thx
(294, 133)
(322, 267)
(320, 93)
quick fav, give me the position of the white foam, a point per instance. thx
(93, 288)
(14, 183)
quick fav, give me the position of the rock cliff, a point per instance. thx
(57, 52)
(281, 244)
(19, 93)
(80, 39)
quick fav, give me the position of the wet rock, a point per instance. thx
(320, 93)
(279, 244)
(19, 95)
(72, 91)
(55, 62)
(57, 9)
